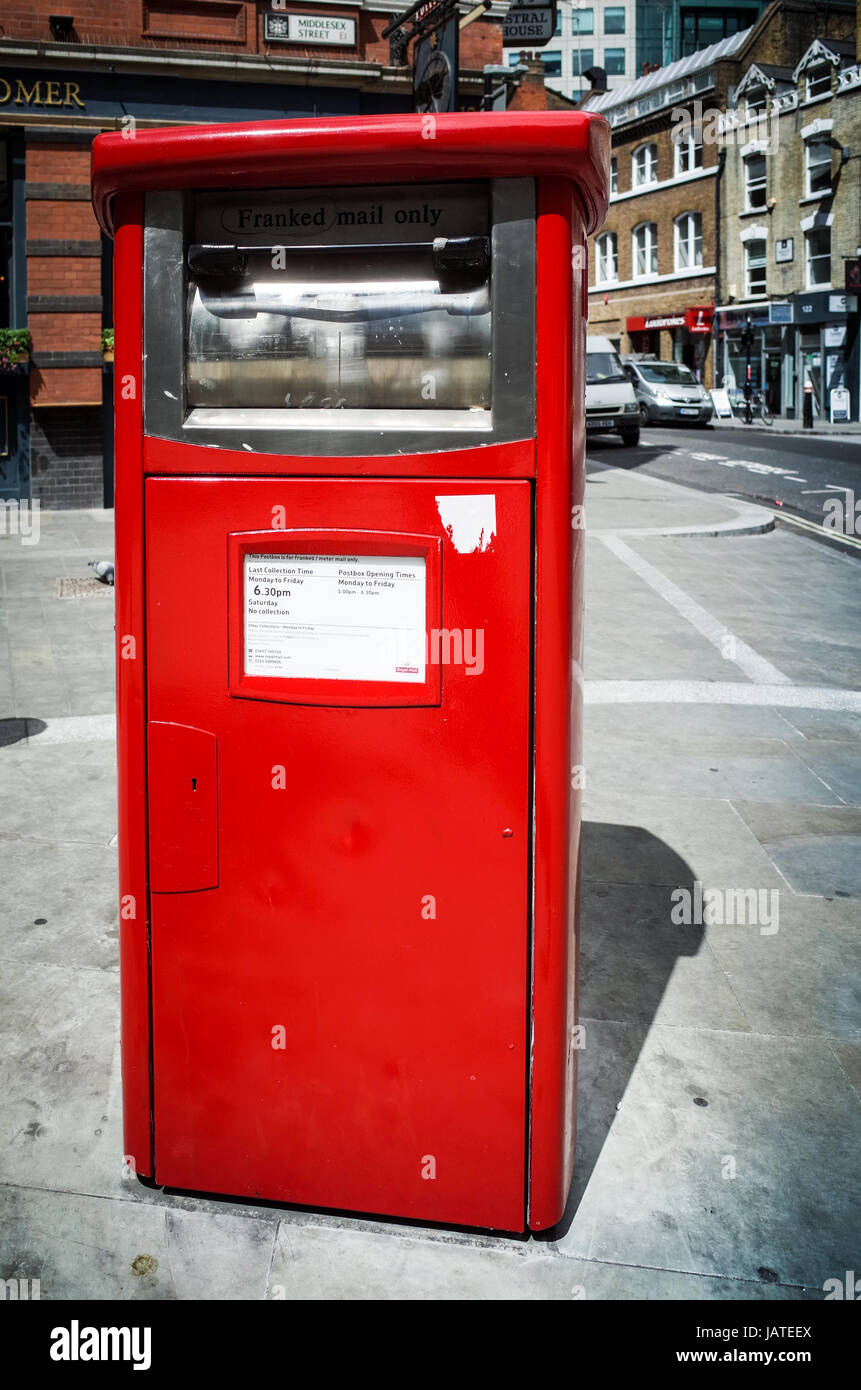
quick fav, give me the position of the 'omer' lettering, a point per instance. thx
(41, 93)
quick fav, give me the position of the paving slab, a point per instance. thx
(732, 1154)
(816, 848)
(801, 974)
(60, 1123)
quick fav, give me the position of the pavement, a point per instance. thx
(784, 425)
(720, 1080)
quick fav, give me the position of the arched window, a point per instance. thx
(645, 250)
(606, 259)
(645, 165)
(688, 241)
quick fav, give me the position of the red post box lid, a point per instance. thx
(411, 148)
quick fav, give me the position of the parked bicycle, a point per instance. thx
(754, 409)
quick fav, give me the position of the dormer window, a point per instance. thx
(756, 101)
(817, 81)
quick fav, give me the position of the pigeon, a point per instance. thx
(104, 570)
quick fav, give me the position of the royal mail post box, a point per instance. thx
(349, 485)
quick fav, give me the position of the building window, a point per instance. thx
(818, 81)
(818, 248)
(701, 27)
(754, 268)
(552, 64)
(606, 259)
(614, 19)
(756, 101)
(614, 62)
(645, 248)
(583, 22)
(689, 152)
(614, 175)
(645, 165)
(817, 158)
(754, 182)
(688, 247)
(582, 60)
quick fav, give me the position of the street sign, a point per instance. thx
(839, 404)
(531, 24)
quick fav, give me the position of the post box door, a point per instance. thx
(340, 969)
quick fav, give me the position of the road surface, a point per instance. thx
(805, 476)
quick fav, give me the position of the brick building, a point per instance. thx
(652, 267)
(791, 212)
(65, 77)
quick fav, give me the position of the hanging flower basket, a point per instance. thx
(107, 345)
(15, 347)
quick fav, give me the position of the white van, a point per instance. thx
(611, 405)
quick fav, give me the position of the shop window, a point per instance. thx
(817, 161)
(614, 19)
(817, 245)
(645, 165)
(614, 175)
(688, 247)
(754, 268)
(754, 182)
(688, 151)
(614, 62)
(583, 22)
(645, 250)
(817, 81)
(606, 259)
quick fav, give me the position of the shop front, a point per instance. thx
(684, 336)
(810, 341)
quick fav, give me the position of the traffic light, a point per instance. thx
(852, 274)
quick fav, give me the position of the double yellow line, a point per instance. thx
(839, 538)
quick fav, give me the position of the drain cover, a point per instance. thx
(80, 588)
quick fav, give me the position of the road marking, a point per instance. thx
(750, 465)
(754, 666)
(820, 697)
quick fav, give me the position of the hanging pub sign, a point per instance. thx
(528, 24)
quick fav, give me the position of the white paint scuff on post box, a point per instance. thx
(470, 520)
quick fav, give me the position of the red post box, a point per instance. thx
(350, 465)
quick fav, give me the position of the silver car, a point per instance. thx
(668, 391)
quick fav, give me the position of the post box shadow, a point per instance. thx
(19, 730)
(629, 946)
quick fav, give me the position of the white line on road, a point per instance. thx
(822, 697)
(743, 656)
